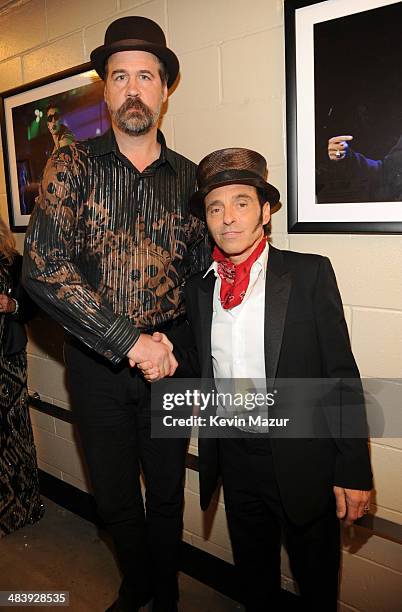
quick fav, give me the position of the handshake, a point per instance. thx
(153, 355)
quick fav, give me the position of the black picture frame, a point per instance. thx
(29, 138)
(323, 53)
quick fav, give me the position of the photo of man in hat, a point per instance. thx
(262, 313)
(61, 135)
(110, 244)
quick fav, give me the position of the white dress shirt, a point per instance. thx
(237, 336)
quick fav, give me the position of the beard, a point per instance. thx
(134, 117)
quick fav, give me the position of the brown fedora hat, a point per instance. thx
(135, 34)
(228, 167)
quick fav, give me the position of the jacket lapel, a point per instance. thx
(277, 291)
(205, 300)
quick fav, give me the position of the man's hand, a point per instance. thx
(7, 305)
(148, 350)
(150, 370)
(351, 504)
(338, 147)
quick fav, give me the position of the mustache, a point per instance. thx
(133, 103)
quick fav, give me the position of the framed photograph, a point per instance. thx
(344, 116)
(39, 118)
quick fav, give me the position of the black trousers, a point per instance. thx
(112, 408)
(258, 524)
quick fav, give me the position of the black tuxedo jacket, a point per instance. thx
(305, 336)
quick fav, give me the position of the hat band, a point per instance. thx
(233, 174)
(125, 42)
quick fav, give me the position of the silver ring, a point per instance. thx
(338, 154)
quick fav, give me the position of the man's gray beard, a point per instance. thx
(135, 123)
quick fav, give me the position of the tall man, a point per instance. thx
(261, 313)
(109, 246)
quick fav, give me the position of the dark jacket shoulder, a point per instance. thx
(14, 336)
(309, 262)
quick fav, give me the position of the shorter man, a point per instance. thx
(261, 313)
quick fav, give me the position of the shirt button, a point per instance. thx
(108, 354)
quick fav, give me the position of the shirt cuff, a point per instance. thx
(118, 340)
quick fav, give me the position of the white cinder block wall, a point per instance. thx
(231, 93)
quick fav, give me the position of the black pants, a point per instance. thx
(258, 525)
(112, 408)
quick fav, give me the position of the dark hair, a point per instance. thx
(262, 198)
(53, 105)
(163, 72)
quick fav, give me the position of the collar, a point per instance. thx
(260, 265)
(106, 144)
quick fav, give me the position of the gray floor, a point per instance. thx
(64, 552)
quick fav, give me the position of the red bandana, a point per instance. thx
(235, 279)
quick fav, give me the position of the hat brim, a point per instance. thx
(196, 202)
(100, 55)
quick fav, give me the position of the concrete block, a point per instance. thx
(387, 514)
(280, 241)
(359, 541)
(218, 21)
(167, 127)
(210, 526)
(213, 549)
(49, 469)
(377, 342)
(23, 27)
(61, 454)
(199, 82)
(197, 134)
(387, 470)
(53, 58)
(65, 16)
(368, 586)
(66, 430)
(348, 317)
(82, 485)
(253, 67)
(368, 268)
(47, 377)
(95, 35)
(41, 420)
(10, 73)
(192, 482)
(277, 177)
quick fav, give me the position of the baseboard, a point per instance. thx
(204, 567)
(380, 527)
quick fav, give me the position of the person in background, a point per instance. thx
(20, 502)
(62, 136)
(110, 245)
